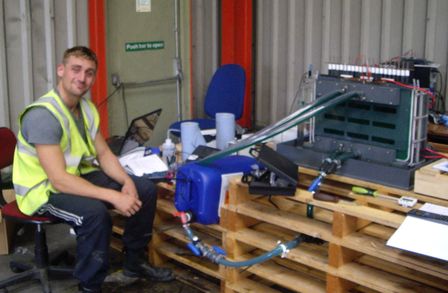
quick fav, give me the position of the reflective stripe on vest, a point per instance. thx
(90, 117)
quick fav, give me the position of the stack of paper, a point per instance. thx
(137, 164)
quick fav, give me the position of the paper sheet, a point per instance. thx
(137, 164)
(436, 209)
(423, 236)
(225, 179)
(443, 166)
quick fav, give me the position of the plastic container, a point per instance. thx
(169, 153)
(198, 187)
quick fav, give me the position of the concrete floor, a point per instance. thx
(60, 239)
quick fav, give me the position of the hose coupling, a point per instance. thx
(284, 249)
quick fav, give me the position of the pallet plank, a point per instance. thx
(376, 186)
(185, 257)
(248, 286)
(380, 280)
(285, 219)
(404, 272)
(353, 209)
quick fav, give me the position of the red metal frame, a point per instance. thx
(97, 40)
(236, 45)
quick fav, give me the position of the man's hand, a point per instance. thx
(126, 204)
(129, 188)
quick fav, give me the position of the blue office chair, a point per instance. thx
(225, 93)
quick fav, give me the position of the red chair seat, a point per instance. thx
(42, 266)
(11, 210)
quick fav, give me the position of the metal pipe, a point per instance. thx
(299, 112)
(49, 43)
(149, 82)
(177, 61)
(294, 119)
(71, 23)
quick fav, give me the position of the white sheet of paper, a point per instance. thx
(225, 179)
(436, 209)
(443, 166)
(132, 155)
(139, 165)
(208, 131)
(423, 236)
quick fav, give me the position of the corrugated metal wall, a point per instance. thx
(205, 49)
(291, 34)
(33, 36)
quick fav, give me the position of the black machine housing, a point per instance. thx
(386, 129)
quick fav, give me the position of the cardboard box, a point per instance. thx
(431, 181)
(6, 227)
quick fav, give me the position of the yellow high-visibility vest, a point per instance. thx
(31, 183)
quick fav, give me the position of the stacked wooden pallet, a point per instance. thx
(168, 245)
(169, 240)
(349, 253)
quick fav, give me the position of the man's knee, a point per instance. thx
(98, 217)
(146, 189)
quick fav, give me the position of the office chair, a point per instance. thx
(10, 211)
(225, 93)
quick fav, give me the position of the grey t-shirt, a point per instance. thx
(39, 126)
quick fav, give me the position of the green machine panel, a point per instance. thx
(385, 128)
(382, 118)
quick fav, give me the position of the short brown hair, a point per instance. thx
(80, 51)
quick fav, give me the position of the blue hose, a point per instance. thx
(316, 184)
(280, 249)
(201, 249)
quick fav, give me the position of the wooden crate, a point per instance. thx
(431, 181)
(353, 257)
(169, 241)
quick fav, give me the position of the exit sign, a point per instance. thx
(142, 46)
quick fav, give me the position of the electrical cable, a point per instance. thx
(125, 106)
(245, 269)
(302, 80)
(436, 153)
(429, 93)
(108, 97)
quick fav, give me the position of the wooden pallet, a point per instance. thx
(353, 257)
(168, 245)
(169, 240)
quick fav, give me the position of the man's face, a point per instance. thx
(76, 75)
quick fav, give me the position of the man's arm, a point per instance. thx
(111, 166)
(53, 163)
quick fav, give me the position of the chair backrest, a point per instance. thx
(226, 90)
(7, 145)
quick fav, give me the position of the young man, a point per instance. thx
(63, 167)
